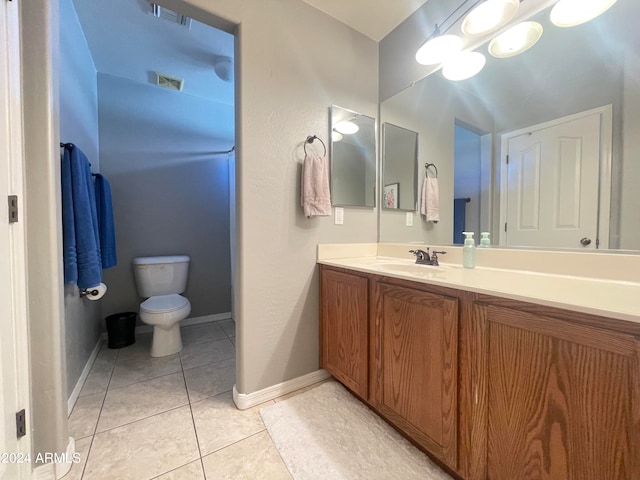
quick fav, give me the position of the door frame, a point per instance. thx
(12, 152)
(604, 183)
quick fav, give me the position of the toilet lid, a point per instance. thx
(164, 303)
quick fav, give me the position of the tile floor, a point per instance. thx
(170, 418)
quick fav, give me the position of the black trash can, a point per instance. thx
(121, 329)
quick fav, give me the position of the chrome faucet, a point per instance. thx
(423, 258)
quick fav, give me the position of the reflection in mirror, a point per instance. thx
(591, 70)
(353, 158)
(399, 167)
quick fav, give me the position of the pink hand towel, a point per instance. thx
(316, 197)
(430, 200)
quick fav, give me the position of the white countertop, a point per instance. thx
(607, 298)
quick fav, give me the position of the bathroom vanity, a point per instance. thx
(497, 382)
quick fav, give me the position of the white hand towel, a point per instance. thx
(430, 200)
(315, 193)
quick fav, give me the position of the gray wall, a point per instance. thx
(78, 125)
(170, 196)
(294, 62)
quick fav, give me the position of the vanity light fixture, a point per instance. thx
(569, 13)
(336, 136)
(438, 49)
(464, 65)
(488, 16)
(346, 127)
(516, 40)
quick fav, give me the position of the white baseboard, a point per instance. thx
(216, 317)
(60, 467)
(73, 398)
(248, 400)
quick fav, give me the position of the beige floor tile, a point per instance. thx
(145, 449)
(201, 333)
(229, 327)
(100, 374)
(82, 449)
(255, 458)
(191, 471)
(219, 423)
(84, 417)
(204, 353)
(134, 368)
(143, 399)
(209, 380)
(140, 348)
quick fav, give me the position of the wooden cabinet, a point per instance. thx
(493, 388)
(344, 328)
(560, 399)
(416, 362)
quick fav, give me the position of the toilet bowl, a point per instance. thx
(164, 313)
(161, 280)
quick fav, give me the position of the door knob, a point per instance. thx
(585, 241)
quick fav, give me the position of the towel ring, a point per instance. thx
(310, 139)
(426, 167)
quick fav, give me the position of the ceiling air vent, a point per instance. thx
(167, 81)
(170, 15)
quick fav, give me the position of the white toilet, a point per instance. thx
(161, 280)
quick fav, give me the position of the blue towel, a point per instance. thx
(81, 243)
(106, 226)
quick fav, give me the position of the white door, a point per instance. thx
(14, 460)
(553, 184)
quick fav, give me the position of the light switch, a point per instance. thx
(409, 219)
(339, 212)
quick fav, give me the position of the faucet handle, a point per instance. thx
(434, 257)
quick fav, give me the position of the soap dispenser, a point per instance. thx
(484, 240)
(469, 251)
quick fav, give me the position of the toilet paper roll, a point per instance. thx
(96, 293)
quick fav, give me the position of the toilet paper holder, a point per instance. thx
(89, 292)
(94, 293)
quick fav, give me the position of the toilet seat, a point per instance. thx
(164, 304)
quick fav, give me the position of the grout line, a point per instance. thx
(237, 441)
(193, 420)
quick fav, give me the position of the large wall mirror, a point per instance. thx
(353, 158)
(581, 85)
(399, 167)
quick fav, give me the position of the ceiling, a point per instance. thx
(126, 40)
(373, 18)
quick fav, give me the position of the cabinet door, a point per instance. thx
(345, 332)
(416, 366)
(561, 398)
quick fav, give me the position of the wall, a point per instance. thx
(293, 62)
(78, 125)
(39, 24)
(170, 195)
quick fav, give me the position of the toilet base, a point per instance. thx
(166, 341)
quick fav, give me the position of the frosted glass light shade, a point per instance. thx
(347, 128)
(336, 136)
(569, 13)
(516, 40)
(489, 16)
(463, 66)
(438, 49)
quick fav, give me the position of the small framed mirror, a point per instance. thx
(399, 168)
(353, 158)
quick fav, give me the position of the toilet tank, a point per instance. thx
(161, 275)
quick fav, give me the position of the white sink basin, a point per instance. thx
(412, 268)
